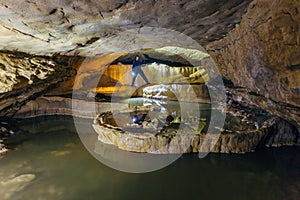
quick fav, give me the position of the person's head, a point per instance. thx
(137, 57)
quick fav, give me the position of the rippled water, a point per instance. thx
(51, 163)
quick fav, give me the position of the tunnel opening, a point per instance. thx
(176, 101)
(105, 76)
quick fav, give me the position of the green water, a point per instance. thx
(63, 169)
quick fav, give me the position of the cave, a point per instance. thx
(222, 86)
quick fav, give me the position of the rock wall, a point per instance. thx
(27, 77)
(261, 57)
(55, 105)
(16, 71)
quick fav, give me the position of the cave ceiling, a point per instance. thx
(82, 27)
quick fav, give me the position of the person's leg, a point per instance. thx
(143, 76)
(134, 75)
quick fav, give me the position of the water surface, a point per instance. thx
(53, 154)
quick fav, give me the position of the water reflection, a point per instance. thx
(119, 159)
(269, 174)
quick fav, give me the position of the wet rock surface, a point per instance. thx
(244, 131)
(178, 92)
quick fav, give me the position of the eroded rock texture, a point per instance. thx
(261, 57)
(255, 44)
(25, 77)
(19, 70)
(243, 132)
(74, 27)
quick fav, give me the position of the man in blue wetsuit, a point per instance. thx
(136, 69)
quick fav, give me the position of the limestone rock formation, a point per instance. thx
(261, 57)
(25, 77)
(243, 132)
(16, 72)
(254, 43)
(75, 27)
(175, 92)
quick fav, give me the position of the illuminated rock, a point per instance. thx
(243, 132)
(178, 92)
